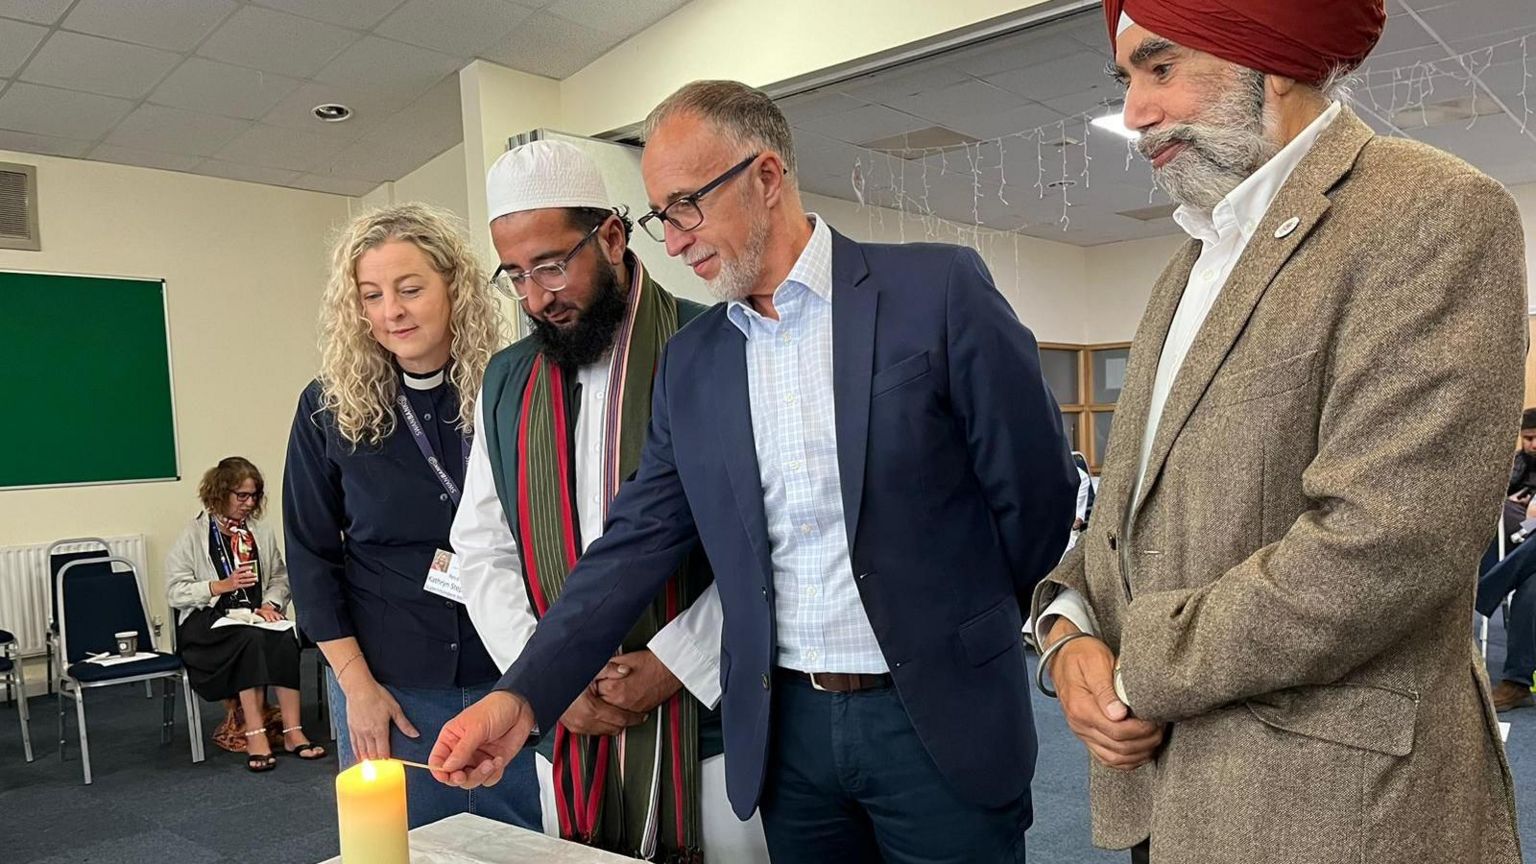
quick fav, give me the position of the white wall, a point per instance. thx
(244, 268)
(1042, 279)
(439, 181)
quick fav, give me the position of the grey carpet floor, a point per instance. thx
(150, 804)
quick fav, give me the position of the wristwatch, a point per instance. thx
(1120, 687)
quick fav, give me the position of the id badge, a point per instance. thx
(443, 576)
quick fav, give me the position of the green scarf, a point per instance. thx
(638, 792)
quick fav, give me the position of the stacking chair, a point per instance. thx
(96, 552)
(16, 680)
(95, 604)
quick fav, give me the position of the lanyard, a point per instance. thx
(425, 446)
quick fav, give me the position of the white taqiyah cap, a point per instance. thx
(544, 174)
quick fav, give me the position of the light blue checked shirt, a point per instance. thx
(821, 622)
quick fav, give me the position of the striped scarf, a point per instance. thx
(637, 792)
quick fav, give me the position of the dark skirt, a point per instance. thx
(222, 662)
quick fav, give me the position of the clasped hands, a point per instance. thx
(475, 747)
(1083, 672)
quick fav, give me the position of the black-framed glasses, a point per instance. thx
(550, 275)
(684, 213)
(246, 497)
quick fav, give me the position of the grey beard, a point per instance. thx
(737, 278)
(1222, 150)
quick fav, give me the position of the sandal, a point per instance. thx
(259, 763)
(306, 752)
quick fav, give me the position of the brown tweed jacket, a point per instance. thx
(1293, 591)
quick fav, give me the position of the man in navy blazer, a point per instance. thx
(862, 440)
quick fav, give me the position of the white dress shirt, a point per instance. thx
(1224, 234)
(819, 617)
(491, 573)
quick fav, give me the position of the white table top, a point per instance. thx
(470, 839)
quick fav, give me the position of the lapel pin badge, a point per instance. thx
(1286, 228)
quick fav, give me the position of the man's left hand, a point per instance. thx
(636, 682)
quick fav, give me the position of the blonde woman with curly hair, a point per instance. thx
(226, 569)
(375, 467)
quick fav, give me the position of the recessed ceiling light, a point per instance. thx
(1115, 123)
(1061, 184)
(331, 112)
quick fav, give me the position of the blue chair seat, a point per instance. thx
(6, 664)
(5, 636)
(93, 672)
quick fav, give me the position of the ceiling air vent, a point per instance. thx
(1151, 214)
(18, 207)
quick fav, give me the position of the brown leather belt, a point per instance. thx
(840, 682)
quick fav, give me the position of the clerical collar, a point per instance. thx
(423, 381)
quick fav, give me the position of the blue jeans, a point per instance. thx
(1514, 574)
(514, 800)
(848, 782)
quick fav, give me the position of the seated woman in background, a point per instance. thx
(225, 575)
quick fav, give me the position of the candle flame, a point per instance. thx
(370, 773)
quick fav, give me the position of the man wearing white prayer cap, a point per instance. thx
(635, 765)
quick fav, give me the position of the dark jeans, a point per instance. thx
(849, 782)
(514, 800)
(1514, 574)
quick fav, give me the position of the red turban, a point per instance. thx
(1300, 39)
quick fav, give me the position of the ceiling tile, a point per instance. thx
(1008, 53)
(950, 104)
(462, 28)
(1046, 81)
(869, 123)
(219, 88)
(276, 147)
(16, 42)
(276, 42)
(26, 142)
(1023, 116)
(367, 159)
(901, 82)
(1091, 101)
(143, 158)
(63, 113)
(173, 130)
(334, 185)
(36, 11)
(370, 106)
(389, 65)
(177, 25)
(1484, 18)
(818, 103)
(96, 65)
(357, 14)
(551, 46)
(616, 19)
(248, 173)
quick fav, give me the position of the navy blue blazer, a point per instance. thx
(958, 490)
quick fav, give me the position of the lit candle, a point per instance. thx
(370, 812)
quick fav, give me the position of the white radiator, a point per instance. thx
(24, 586)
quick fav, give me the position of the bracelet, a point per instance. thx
(343, 670)
(1045, 661)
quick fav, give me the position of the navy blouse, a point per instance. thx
(361, 525)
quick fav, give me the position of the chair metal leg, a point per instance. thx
(20, 680)
(85, 744)
(194, 719)
(58, 699)
(168, 710)
(149, 689)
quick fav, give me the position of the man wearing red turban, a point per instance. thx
(1278, 668)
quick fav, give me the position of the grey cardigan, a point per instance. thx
(189, 572)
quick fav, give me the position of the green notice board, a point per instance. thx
(87, 371)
